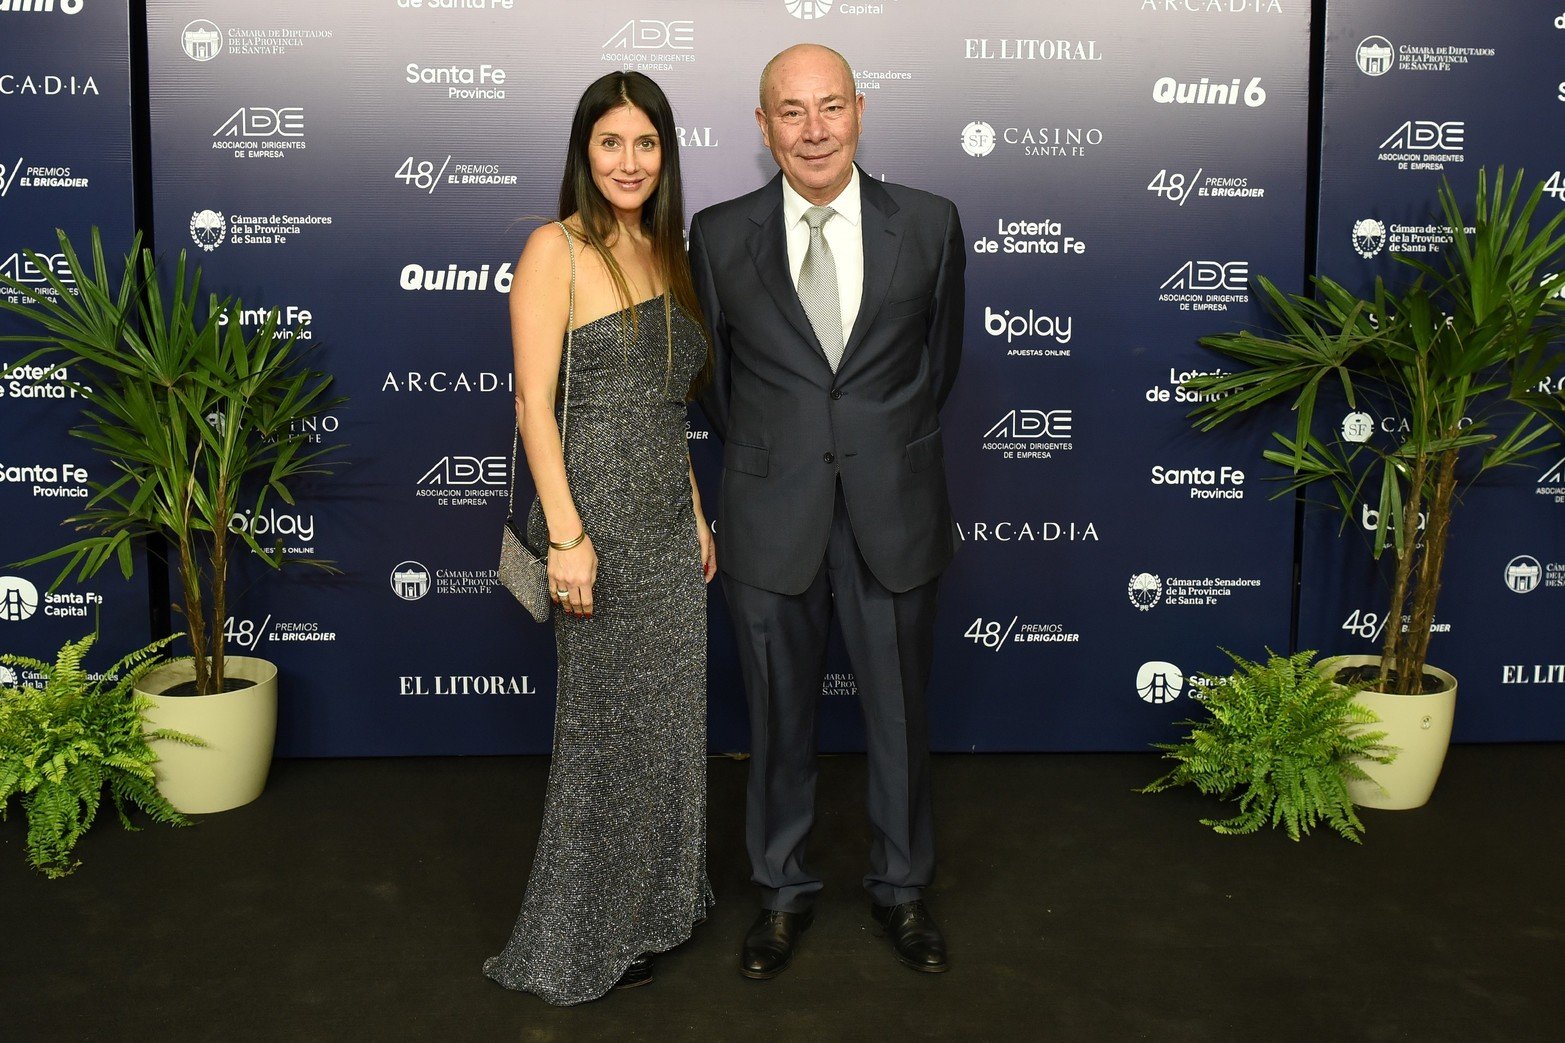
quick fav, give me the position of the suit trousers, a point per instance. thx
(782, 655)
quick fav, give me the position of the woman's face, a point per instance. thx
(626, 156)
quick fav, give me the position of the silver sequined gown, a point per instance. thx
(621, 862)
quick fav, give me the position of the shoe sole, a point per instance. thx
(765, 975)
(926, 968)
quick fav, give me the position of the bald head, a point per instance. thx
(813, 51)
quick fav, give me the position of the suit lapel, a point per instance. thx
(769, 251)
(882, 226)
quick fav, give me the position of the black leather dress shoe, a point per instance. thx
(770, 942)
(914, 935)
(638, 973)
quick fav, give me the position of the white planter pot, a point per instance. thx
(1418, 725)
(239, 728)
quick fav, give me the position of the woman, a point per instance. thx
(620, 871)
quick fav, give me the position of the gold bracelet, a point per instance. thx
(568, 544)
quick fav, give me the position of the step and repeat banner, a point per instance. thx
(372, 168)
(65, 162)
(1414, 93)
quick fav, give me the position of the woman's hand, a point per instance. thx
(571, 576)
(708, 549)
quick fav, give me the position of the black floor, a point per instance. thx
(356, 900)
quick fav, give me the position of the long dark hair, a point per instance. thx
(663, 216)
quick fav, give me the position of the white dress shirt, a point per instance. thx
(844, 234)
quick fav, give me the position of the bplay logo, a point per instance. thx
(18, 599)
(201, 40)
(978, 139)
(1369, 518)
(1523, 574)
(275, 524)
(808, 9)
(1158, 682)
(1375, 56)
(1031, 325)
(41, 6)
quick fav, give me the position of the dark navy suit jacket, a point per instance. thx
(790, 425)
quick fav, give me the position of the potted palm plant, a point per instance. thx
(198, 422)
(1460, 357)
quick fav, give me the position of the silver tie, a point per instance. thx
(818, 287)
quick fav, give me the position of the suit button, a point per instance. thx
(835, 394)
(827, 458)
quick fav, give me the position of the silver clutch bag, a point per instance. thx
(522, 572)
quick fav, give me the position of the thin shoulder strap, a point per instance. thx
(565, 404)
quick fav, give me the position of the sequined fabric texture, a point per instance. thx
(621, 862)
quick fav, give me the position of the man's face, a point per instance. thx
(810, 121)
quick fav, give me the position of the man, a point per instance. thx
(836, 304)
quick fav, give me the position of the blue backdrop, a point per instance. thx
(65, 162)
(1123, 170)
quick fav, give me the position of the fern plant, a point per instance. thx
(1282, 739)
(63, 745)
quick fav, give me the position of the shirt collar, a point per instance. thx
(847, 204)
